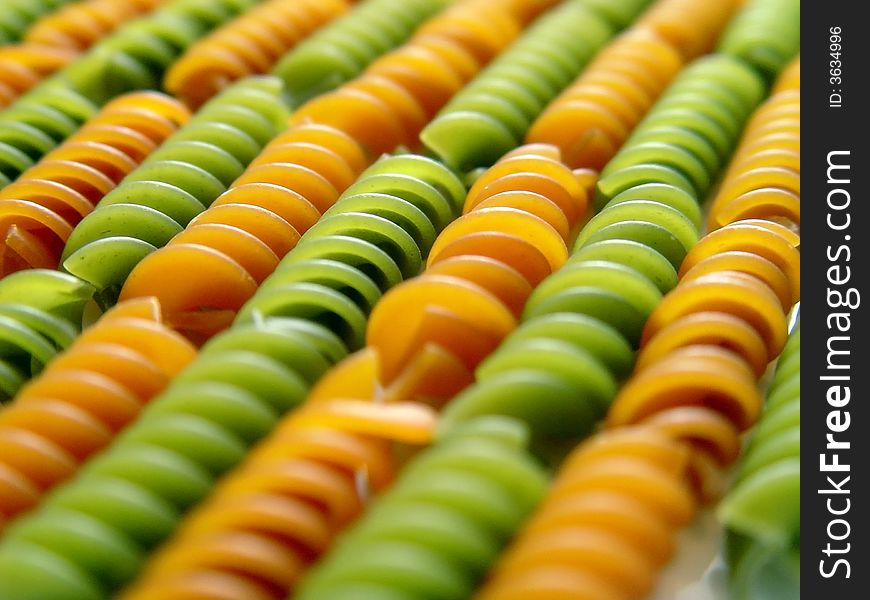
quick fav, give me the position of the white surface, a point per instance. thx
(696, 571)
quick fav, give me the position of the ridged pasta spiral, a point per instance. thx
(341, 50)
(58, 38)
(606, 525)
(19, 15)
(137, 54)
(133, 494)
(40, 314)
(280, 510)
(79, 25)
(233, 394)
(766, 34)
(22, 66)
(435, 531)
(559, 370)
(426, 336)
(491, 115)
(397, 94)
(761, 513)
(691, 27)
(37, 122)
(206, 273)
(40, 209)
(174, 184)
(763, 179)
(592, 118)
(247, 45)
(82, 399)
(376, 235)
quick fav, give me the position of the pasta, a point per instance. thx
(40, 314)
(499, 106)
(434, 532)
(580, 325)
(132, 495)
(344, 263)
(247, 45)
(35, 123)
(19, 15)
(340, 51)
(763, 180)
(174, 184)
(263, 524)
(138, 53)
(41, 208)
(765, 34)
(690, 27)
(230, 397)
(763, 534)
(228, 250)
(694, 390)
(607, 524)
(83, 398)
(430, 333)
(23, 65)
(79, 25)
(397, 94)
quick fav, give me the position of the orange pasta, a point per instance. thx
(592, 118)
(80, 24)
(763, 181)
(427, 335)
(246, 46)
(83, 398)
(266, 522)
(690, 27)
(608, 523)
(391, 102)
(58, 38)
(207, 272)
(39, 209)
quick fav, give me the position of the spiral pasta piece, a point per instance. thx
(37, 122)
(58, 38)
(79, 25)
(41, 208)
(593, 118)
(397, 94)
(40, 315)
(174, 184)
(98, 385)
(765, 33)
(132, 495)
(234, 393)
(491, 115)
(711, 338)
(763, 180)
(376, 235)
(606, 525)
(559, 370)
(19, 15)
(133, 57)
(426, 336)
(761, 512)
(246, 46)
(280, 510)
(205, 274)
(690, 27)
(341, 50)
(433, 533)
(137, 54)
(23, 65)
